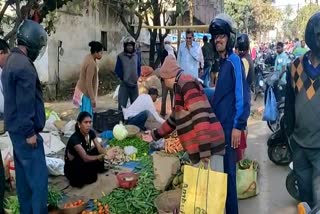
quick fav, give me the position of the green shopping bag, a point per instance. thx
(247, 181)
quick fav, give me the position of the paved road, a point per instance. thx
(273, 197)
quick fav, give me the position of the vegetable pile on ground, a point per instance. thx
(96, 207)
(172, 144)
(139, 199)
(177, 181)
(74, 204)
(140, 145)
(54, 196)
(118, 156)
(12, 204)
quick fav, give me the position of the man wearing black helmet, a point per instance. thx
(302, 115)
(243, 47)
(231, 102)
(24, 117)
(128, 69)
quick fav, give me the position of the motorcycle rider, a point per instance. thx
(302, 114)
(243, 47)
(231, 101)
(24, 117)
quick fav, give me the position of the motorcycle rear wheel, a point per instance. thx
(280, 154)
(292, 186)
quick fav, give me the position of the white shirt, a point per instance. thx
(190, 59)
(142, 103)
(1, 94)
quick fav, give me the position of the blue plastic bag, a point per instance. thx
(271, 110)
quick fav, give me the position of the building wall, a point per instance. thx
(205, 10)
(76, 31)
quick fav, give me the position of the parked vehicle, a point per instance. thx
(279, 151)
(292, 184)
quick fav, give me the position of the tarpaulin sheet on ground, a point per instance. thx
(52, 144)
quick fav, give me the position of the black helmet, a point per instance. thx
(33, 36)
(223, 24)
(312, 34)
(243, 42)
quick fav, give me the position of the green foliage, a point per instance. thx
(300, 22)
(254, 16)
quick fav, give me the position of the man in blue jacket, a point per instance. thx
(24, 117)
(231, 101)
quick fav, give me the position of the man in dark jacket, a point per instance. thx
(243, 47)
(231, 102)
(208, 55)
(4, 53)
(302, 115)
(24, 117)
(128, 69)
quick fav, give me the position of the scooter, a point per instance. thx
(279, 151)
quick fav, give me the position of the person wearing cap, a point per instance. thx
(231, 100)
(198, 129)
(24, 117)
(138, 112)
(128, 69)
(148, 79)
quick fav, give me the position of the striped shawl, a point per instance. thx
(199, 131)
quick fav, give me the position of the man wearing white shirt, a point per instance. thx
(190, 57)
(137, 113)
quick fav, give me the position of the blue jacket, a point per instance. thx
(24, 112)
(231, 101)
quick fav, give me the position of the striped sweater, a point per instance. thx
(199, 131)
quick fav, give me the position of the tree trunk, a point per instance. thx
(154, 32)
(153, 41)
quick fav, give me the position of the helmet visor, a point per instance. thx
(42, 52)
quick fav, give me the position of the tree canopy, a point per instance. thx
(253, 16)
(12, 12)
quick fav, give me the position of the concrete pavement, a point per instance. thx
(273, 197)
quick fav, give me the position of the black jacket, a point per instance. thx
(289, 109)
(24, 112)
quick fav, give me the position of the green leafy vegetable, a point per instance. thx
(54, 196)
(12, 204)
(143, 147)
(137, 200)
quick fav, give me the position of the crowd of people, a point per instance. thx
(210, 102)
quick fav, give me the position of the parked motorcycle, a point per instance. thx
(272, 81)
(279, 151)
(292, 184)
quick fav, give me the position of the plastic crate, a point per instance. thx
(103, 121)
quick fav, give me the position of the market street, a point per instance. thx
(273, 197)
